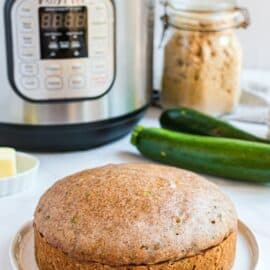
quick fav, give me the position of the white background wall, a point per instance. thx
(256, 39)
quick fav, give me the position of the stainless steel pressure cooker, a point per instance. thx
(74, 74)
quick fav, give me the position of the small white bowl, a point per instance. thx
(27, 168)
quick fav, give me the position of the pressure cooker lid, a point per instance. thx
(199, 5)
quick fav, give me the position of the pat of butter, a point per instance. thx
(7, 162)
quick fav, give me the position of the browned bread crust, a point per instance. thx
(134, 214)
(219, 257)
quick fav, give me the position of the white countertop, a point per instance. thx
(252, 201)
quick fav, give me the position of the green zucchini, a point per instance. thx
(193, 122)
(234, 159)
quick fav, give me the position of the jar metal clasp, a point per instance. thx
(165, 21)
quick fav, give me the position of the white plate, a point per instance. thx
(22, 249)
(27, 168)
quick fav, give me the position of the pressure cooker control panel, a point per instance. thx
(62, 49)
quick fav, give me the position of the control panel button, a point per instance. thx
(64, 44)
(53, 45)
(99, 66)
(53, 69)
(76, 53)
(99, 47)
(29, 69)
(77, 68)
(26, 24)
(75, 44)
(25, 10)
(30, 83)
(77, 82)
(27, 40)
(28, 53)
(54, 83)
(99, 31)
(99, 81)
(99, 14)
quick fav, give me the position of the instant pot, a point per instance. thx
(74, 74)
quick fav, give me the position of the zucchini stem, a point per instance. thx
(135, 134)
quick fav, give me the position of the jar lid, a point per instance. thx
(207, 5)
(205, 16)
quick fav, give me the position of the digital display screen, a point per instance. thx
(68, 20)
(63, 32)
